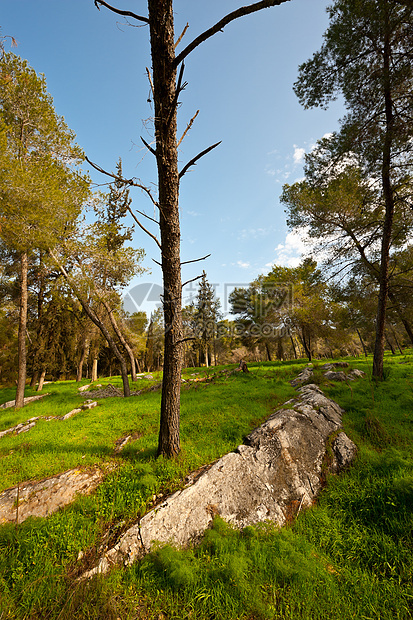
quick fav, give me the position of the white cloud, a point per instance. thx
(193, 213)
(289, 253)
(298, 155)
(240, 263)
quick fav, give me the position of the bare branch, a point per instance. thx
(122, 180)
(147, 216)
(182, 35)
(120, 12)
(244, 10)
(157, 262)
(193, 280)
(195, 159)
(179, 88)
(188, 127)
(150, 149)
(186, 262)
(150, 81)
(143, 228)
(185, 339)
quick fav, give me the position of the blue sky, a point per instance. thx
(241, 82)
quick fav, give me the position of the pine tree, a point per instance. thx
(206, 317)
(41, 191)
(367, 56)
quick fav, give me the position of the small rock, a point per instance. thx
(357, 373)
(70, 414)
(89, 404)
(335, 376)
(25, 427)
(83, 388)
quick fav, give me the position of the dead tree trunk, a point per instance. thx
(165, 95)
(162, 36)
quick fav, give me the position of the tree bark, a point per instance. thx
(362, 342)
(94, 376)
(307, 346)
(21, 344)
(85, 352)
(122, 339)
(396, 341)
(280, 349)
(35, 378)
(165, 102)
(293, 345)
(41, 380)
(389, 343)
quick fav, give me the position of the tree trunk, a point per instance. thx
(41, 380)
(85, 353)
(35, 378)
(306, 346)
(401, 316)
(390, 344)
(362, 342)
(389, 214)
(164, 81)
(293, 345)
(396, 341)
(267, 348)
(280, 349)
(94, 376)
(21, 343)
(122, 339)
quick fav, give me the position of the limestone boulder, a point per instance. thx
(302, 377)
(40, 499)
(276, 473)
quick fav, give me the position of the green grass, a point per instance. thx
(350, 556)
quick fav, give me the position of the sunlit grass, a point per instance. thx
(350, 556)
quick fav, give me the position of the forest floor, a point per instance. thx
(350, 556)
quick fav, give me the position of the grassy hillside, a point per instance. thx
(350, 556)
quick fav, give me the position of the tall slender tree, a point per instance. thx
(367, 56)
(167, 84)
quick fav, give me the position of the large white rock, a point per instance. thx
(276, 473)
